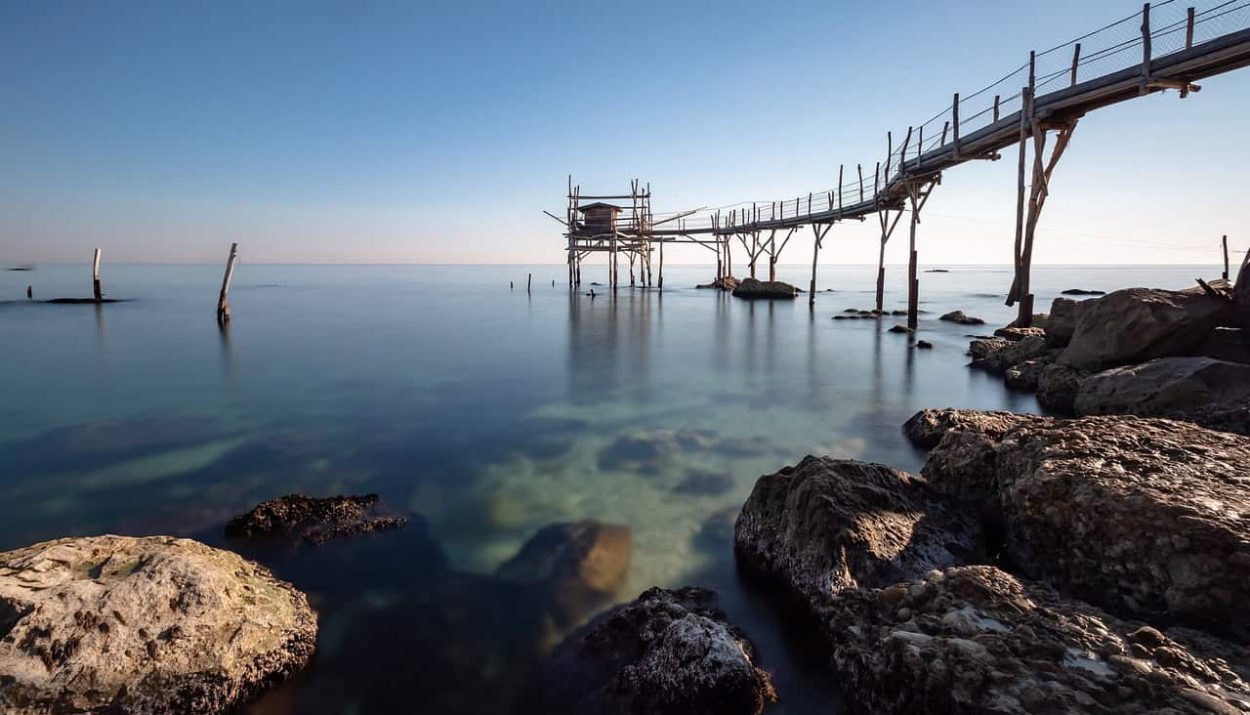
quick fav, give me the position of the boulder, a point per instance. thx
(313, 520)
(927, 427)
(996, 355)
(1065, 313)
(143, 625)
(1139, 324)
(1166, 387)
(958, 316)
(1026, 375)
(826, 525)
(975, 639)
(752, 289)
(667, 652)
(1014, 334)
(569, 570)
(1057, 385)
(1142, 516)
(1230, 344)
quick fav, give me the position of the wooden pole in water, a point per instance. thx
(1225, 241)
(95, 277)
(529, 281)
(661, 284)
(223, 299)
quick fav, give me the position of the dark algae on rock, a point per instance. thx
(313, 520)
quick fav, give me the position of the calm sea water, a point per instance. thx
(489, 412)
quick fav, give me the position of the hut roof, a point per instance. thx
(597, 205)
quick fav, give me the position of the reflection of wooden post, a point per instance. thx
(95, 276)
(223, 300)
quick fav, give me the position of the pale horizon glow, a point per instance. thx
(316, 133)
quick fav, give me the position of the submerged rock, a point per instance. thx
(1140, 516)
(1083, 291)
(752, 289)
(826, 525)
(900, 329)
(723, 283)
(976, 640)
(569, 570)
(1139, 324)
(1167, 387)
(667, 652)
(958, 316)
(313, 520)
(116, 624)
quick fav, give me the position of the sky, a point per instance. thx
(438, 132)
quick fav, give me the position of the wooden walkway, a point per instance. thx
(1164, 47)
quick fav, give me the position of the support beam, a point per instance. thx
(95, 277)
(223, 299)
(818, 231)
(887, 229)
(918, 193)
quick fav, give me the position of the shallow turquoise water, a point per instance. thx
(486, 410)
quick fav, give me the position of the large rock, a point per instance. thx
(568, 570)
(1142, 516)
(1139, 324)
(1167, 387)
(752, 289)
(996, 355)
(976, 640)
(1057, 385)
(1065, 313)
(825, 525)
(116, 624)
(666, 652)
(314, 520)
(927, 427)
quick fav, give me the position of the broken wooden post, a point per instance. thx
(95, 277)
(223, 299)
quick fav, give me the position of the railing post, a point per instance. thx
(1145, 46)
(1189, 28)
(996, 108)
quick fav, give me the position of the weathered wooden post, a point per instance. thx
(223, 299)
(529, 281)
(1225, 241)
(661, 284)
(95, 277)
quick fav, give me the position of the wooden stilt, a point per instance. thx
(661, 284)
(887, 229)
(95, 277)
(818, 233)
(223, 299)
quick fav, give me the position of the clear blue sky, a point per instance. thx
(437, 132)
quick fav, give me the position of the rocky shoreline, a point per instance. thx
(1094, 560)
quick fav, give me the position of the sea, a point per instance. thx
(487, 402)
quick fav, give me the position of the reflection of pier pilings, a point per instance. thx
(99, 328)
(609, 346)
(227, 351)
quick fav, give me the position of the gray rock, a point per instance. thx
(752, 289)
(1065, 313)
(569, 570)
(1140, 516)
(976, 640)
(997, 355)
(1166, 387)
(958, 316)
(667, 652)
(1057, 385)
(826, 525)
(1139, 324)
(1230, 344)
(143, 625)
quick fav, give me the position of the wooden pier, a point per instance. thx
(1173, 47)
